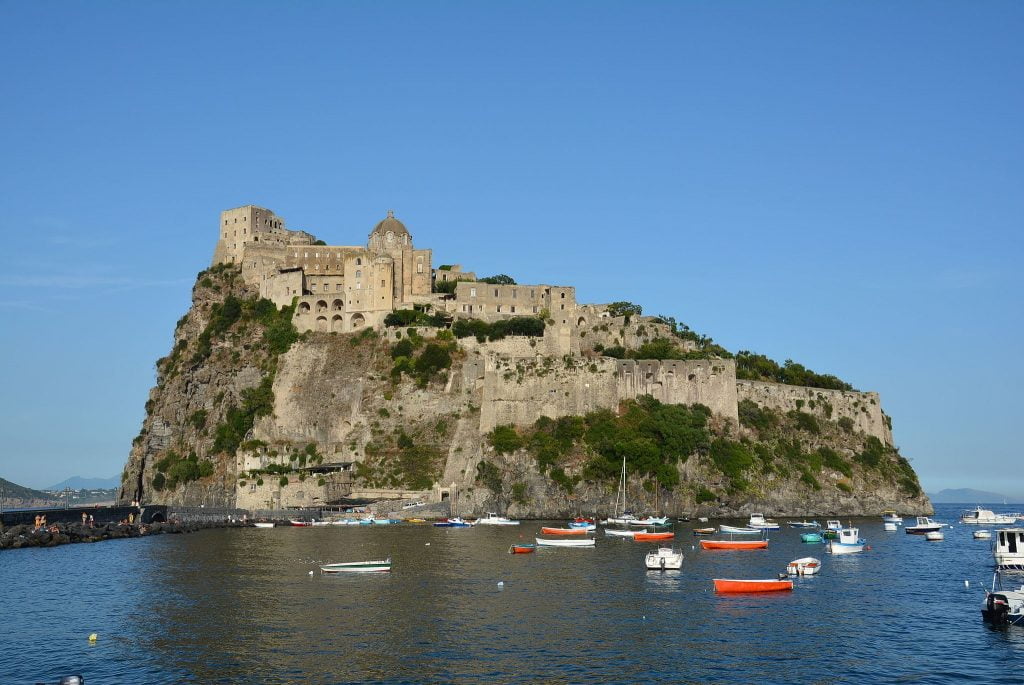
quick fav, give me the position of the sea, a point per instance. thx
(241, 606)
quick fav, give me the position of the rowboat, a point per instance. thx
(582, 525)
(653, 537)
(589, 542)
(379, 566)
(811, 537)
(733, 530)
(262, 524)
(727, 585)
(525, 548)
(300, 524)
(889, 527)
(807, 566)
(804, 524)
(665, 559)
(734, 544)
(564, 531)
(703, 531)
(611, 532)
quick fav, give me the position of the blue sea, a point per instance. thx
(239, 606)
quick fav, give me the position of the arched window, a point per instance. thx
(359, 261)
(359, 273)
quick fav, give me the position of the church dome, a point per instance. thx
(390, 223)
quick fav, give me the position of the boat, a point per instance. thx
(452, 523)
(703, 531)
(982, 535)
(300, 524)
(702, 519)
(542, 542)
(848, 542)
(987, 517)
(890, 516)
(804, 524)
(522, 548)
(264, 524)
(889, 527)
(924, 525)
(726, 585)
(761, 523)
(1008, 549)
(564, 531)
(653, 537)
(1003, 608)
(584, 525)
(664, 559)
(414, 505)
(383, 522)
(379, 566)
(493, 519)
(415, 520)
(807, 566)
(733, 530)
(811, 537)
(651, 521)
(832, 528)
(621, 517)
(734, 544)
(611, 532)
(934, 536)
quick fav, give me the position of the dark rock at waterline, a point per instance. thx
(20, 536)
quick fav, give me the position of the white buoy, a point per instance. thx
(427, 545)
(501, 583)
(310, 573)
(967, 583)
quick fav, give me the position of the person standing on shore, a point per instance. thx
(85, 518)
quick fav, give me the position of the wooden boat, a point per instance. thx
(416, 520)
(611, 532)
(664, 559)
(703, 531)
(523, 548)
(734, 530)
(653, 537)
(725, 585)
(564, 531)
(264, 524)
(379, 566)
(807, 566)
(542, 542)
(734, 544)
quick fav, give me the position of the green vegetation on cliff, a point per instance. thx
(757, 367)
(523, 325)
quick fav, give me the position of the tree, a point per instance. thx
(626, 309)
(499, 279)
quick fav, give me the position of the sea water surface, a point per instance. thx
(239, 606)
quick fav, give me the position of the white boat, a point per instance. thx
(804, 524)
(982, 535)
(734, 530)
(761, 523)
(611, 532)
(493, 519)
(702, 519)
(585, 542)
(987, 517)
(379, 566)
(664, 559)
(890, 516)
(264, 524)
(848, 542)
(1003, 607)
(650, 521)
(890, 527)
(934, 536)
(1008, 548)
(414, 505)
(807, 566)
(832, 524)
(924, 525)
(621, 517)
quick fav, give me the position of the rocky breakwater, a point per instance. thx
(17, 537)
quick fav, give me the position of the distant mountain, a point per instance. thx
(968, 496)
(79, 483)
(15, 496)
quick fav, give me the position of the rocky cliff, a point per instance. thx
(246, 412)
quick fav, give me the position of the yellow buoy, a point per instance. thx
(93, 637)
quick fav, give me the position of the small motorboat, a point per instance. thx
(300, 524)
(542, 542)
(1003, 607)
(664, 559)
(761, 523)
(890, 516)
(982, 535)
(452, 523)
(585, 525)
(526, 548)
(703, 531)
(264, 524)
(734, 544)
(889, 526)
(653, 537)
(493, 519)
(807, 566)
(702, 519)
(735, 530)
(934, 536)
(1008, 549)
(564, 531)
(811, 537)
(651, 521)
(725, 585)
(804, 524)
(924, 525)
(379, 566)
(848, 542)
(613, 533)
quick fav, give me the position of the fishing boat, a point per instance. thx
(890, 516)
(811, 537)
(613, 533)
(542, 542)
(564, 531)
(804, 524)
(759, 522)
(1008, 549)
(832, 528)
(264, 524)
(725, 585)
(807, 566)
(703, 531)
(848, 542)
(664, 559)
(734, 530)
(300, 524)
(379, 566)
(452, 523)
(653, 537)
(924, 525)
(934, 536)
(734, 544)
(1003, 607)
(982, 535)
(522, 548)
(987, 517)
(493, 519)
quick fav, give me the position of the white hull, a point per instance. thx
(589, 542)
(665, 559)
(808, 566)
(986, 517)
(839, 548)
(620, 533)
(982, 535)
(381, 566)
(264, 525)
(496, 522)
(934, 536)
(890, 526)
(738, 531)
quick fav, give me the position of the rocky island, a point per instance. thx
(306, 374)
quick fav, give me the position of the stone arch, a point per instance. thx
(581, 322)
(358, 320)
(321, 306)
(336, 323)
(304, 308)
(359, 261)
(321, 323)
(337, 305)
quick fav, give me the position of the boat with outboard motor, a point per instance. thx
(1003, 607)
(924, 525)
(736, 530)
(1008, 549)
(807, 566)
(848, 542)
(890, 516)
(734, 544)
(987, 517)
(759, 522)
(664, 559)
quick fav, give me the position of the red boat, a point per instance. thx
(726, 585)
(522, 549)
(564, 531)
(300, 524)
(734, 544)
(652, 537)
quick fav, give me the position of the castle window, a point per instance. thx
(419, 268)
(495, 292)
(359, 273)
(561, 306)
(338, 287)
(359, 261)
(513, 293)
(563, 296)
(359, 286)
(225, 222)
(513, 309)
(499, 309)
(382, 282)
(472, 292)
(535, 309)
(533, 295)
(306, 255)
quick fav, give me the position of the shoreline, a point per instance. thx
(25, 536)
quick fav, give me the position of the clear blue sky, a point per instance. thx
(836, 183)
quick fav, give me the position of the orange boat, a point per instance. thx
(652, 537)
(522, 549)
(564, 531)
(726, 585)
(734, 544)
